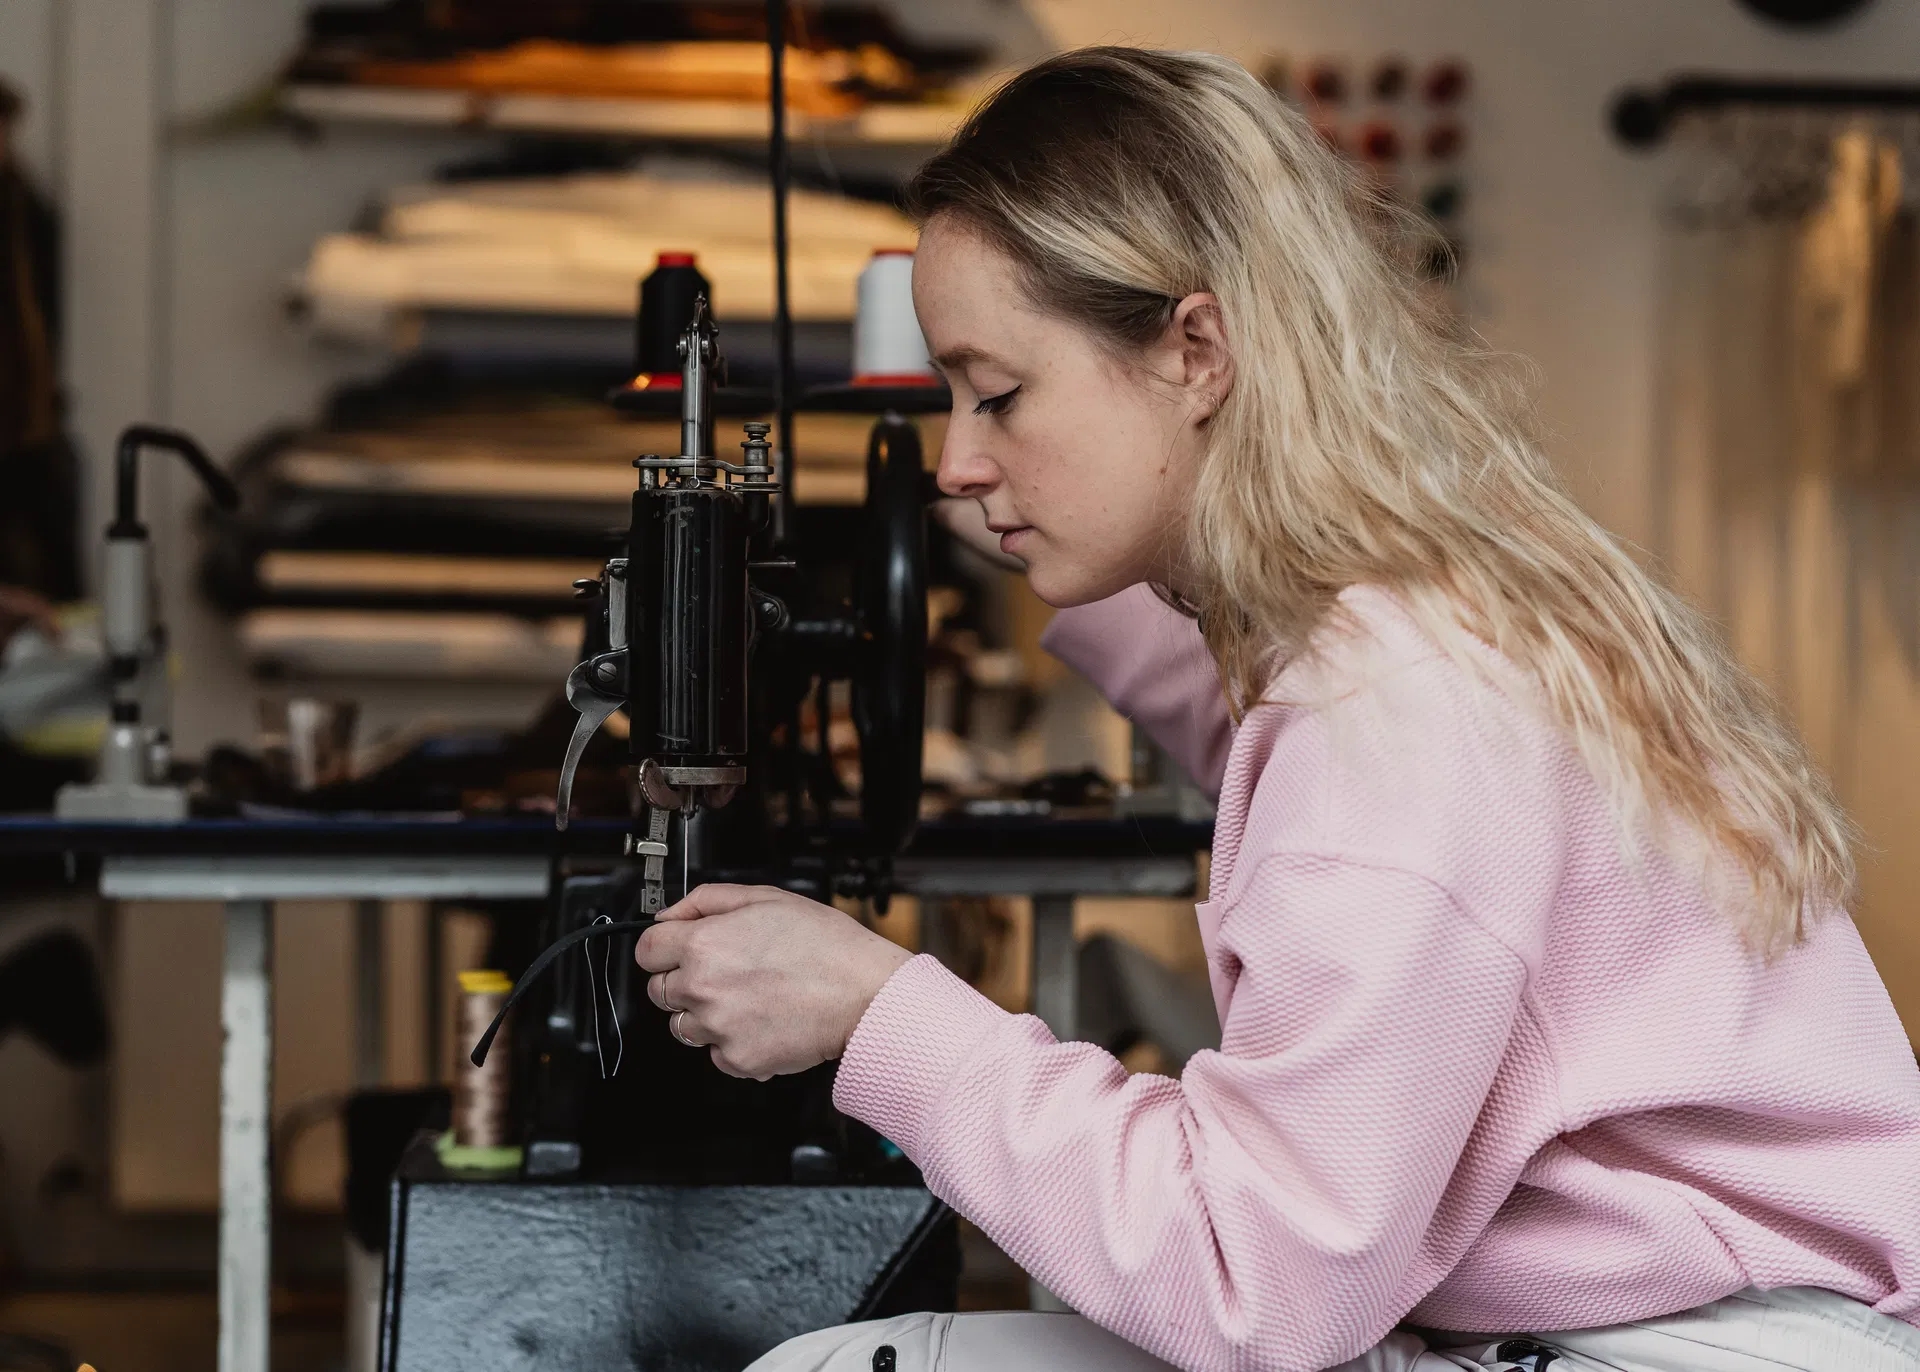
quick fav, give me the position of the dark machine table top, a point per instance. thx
(1077, 834)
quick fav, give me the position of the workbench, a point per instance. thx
(248, 864)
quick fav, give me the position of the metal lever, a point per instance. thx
(594, 708)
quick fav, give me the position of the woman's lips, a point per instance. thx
(1013, 539)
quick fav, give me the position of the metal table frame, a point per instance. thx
(248, 886)
(1053, 884)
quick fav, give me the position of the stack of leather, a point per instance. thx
(828, 84)
(839, 57)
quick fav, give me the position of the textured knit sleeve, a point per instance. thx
(1267, 1211)
(1151, 663)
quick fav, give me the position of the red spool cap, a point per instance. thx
(1390, 79)
(1444, 141)
(1447, 83)
(674, 259)
(1380, 142)
(893, 252)
(1326, 83)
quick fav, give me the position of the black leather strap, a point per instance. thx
(544, 961)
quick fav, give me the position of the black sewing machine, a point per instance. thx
(735, 1213)
(722, 646)
(669, 1216)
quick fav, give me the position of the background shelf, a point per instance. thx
(688, 120)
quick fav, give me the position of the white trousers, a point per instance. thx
(1794, 1329)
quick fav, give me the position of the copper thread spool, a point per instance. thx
(482, 1095)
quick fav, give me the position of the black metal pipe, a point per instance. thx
(126, 484)
(1642, 118)
(780, 174)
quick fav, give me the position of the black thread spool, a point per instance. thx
(666, 305)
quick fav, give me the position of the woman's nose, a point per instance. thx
(965, 468)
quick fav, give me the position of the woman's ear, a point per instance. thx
(1198, 330)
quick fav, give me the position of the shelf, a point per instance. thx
(411, 645)
(686, 120)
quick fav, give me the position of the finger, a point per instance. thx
(715, 898)
(686, 1028)
(658, 993)
(661, 948)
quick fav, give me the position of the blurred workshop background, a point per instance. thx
(381, 259)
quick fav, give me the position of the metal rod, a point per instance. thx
(696, 396)
(1056, 966)
(1643, 117)
(778, 173)
(369, 993)
(246, 1112)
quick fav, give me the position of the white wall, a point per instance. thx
(30, 41)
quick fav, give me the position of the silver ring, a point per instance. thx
(673, 1027)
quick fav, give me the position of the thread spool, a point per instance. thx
(888, 347)
(482, 1096)
(666, 304)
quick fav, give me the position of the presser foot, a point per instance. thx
(652, 851)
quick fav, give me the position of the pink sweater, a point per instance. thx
(1481, 1069)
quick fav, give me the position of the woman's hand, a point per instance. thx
(772, 982)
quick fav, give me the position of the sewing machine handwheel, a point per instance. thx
(890, 604)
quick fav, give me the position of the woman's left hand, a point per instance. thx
(772, 982)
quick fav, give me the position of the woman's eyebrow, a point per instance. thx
(961, 356)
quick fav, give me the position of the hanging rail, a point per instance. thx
(1641, 118)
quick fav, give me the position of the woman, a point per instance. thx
(1541, 1016)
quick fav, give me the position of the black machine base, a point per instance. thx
(508, 1276)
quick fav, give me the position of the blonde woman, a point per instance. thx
(1546, 1038)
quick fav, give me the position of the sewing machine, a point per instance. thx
(765, 1210)
(720, 646)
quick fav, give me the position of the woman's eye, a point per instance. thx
(996, 404)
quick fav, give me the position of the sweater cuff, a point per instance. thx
(914, 1038)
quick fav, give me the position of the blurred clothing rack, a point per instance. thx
(1641, 117)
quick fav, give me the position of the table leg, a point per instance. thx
(436, 993)
(1056, 995)
(369, 980)
(1056, 968)
(246, 1109)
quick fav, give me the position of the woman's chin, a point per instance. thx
(1065, 587)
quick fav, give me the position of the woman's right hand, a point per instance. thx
(967, 521)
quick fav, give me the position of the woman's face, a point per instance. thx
(1082, 462)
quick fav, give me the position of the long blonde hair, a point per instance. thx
(1365, 441)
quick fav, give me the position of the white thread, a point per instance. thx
(886, 332)
(594, 994)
